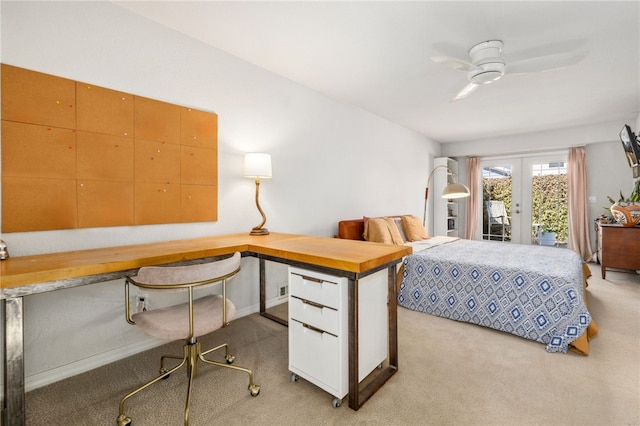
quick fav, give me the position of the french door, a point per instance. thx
(531, 194)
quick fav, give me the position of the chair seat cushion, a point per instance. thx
(172, 322)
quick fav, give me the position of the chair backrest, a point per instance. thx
(166, 275)
(497, 213)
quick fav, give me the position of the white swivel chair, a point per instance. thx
(187, 320)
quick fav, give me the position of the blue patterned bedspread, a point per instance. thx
(535, 292)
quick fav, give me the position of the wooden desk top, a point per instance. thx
(347, 255)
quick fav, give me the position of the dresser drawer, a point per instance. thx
(319, 316)
(314, 288)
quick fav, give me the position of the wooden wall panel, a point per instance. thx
(157, 203)
(157, 162)
(199, 166)
(105, 111)
(104, 203)
(198, 128)
(38, 151)
(33, 97)
(77, 155)
(105, 157)
(157, 121)
(38, 204)
(198, 203)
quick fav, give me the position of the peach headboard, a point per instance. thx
(351, 229)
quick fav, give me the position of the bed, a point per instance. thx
(534, 292)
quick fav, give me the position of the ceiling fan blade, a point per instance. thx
(547, 49)
(545, 63)
(466, 91)
(454, 63)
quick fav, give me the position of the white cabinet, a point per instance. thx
(318, 328)
(445, 211)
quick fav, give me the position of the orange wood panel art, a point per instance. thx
(76, 155)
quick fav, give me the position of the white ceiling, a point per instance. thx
(377, 55)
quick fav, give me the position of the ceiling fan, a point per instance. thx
(487, 64)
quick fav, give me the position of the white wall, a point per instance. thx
(331, 161)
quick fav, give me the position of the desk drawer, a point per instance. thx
(318, 357)
(322, 317)
(318, 288)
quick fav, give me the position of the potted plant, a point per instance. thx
(547, 236)
(626, 211)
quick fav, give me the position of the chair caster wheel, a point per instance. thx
(162, 371)
(336, 402)
(294, 377)
(230, 359)
(254, 389)
(123, 420)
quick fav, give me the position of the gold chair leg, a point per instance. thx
(192, 369)
(164, 357)
(253, 388)
(124, 420)
(192, 352)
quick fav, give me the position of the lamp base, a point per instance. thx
(259, 231)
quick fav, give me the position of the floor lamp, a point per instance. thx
(258, 166)
(451, 190)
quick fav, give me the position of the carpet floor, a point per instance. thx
(450, 373)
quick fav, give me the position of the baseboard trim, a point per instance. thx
(78, 367)
(48, 377)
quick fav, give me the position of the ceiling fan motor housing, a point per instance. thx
(488, 65)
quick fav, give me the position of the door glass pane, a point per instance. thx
(550, 207)
(496, 201)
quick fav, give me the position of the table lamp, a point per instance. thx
(257, 165)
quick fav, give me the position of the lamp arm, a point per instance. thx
(426, 192)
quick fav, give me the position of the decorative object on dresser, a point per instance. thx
(257, 165)
(626, 211)
(618, 247)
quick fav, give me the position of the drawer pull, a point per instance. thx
(317, 330)
(314, 304)
(315, 280)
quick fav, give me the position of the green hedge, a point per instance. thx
(550, 202)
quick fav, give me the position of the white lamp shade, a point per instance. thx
(257, 165)
(455, 190)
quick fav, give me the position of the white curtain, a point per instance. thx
(579, 239)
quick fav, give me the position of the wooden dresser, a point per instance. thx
(618, 247)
